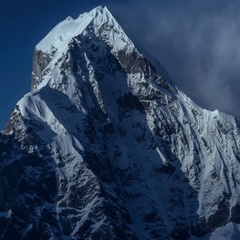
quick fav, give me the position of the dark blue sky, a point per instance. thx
(196, 41)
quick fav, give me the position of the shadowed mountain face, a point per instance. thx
(106, 147)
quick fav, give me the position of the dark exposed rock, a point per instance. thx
(235, 214)
(166, 168)
(40, 62)
(220, 217)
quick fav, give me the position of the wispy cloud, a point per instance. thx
(196, 41)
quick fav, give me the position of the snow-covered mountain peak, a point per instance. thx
(63, 32)
(95, 35)
(105, 147)
(98, 23)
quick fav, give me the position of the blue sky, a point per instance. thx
(196, 41)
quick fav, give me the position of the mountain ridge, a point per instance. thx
(104, 147)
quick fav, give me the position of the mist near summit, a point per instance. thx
(197, 42)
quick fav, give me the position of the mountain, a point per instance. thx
(105, 146)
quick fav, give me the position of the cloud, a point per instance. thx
(196, 41)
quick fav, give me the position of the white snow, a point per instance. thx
(60, 35)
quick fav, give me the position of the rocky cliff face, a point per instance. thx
(106, 147)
